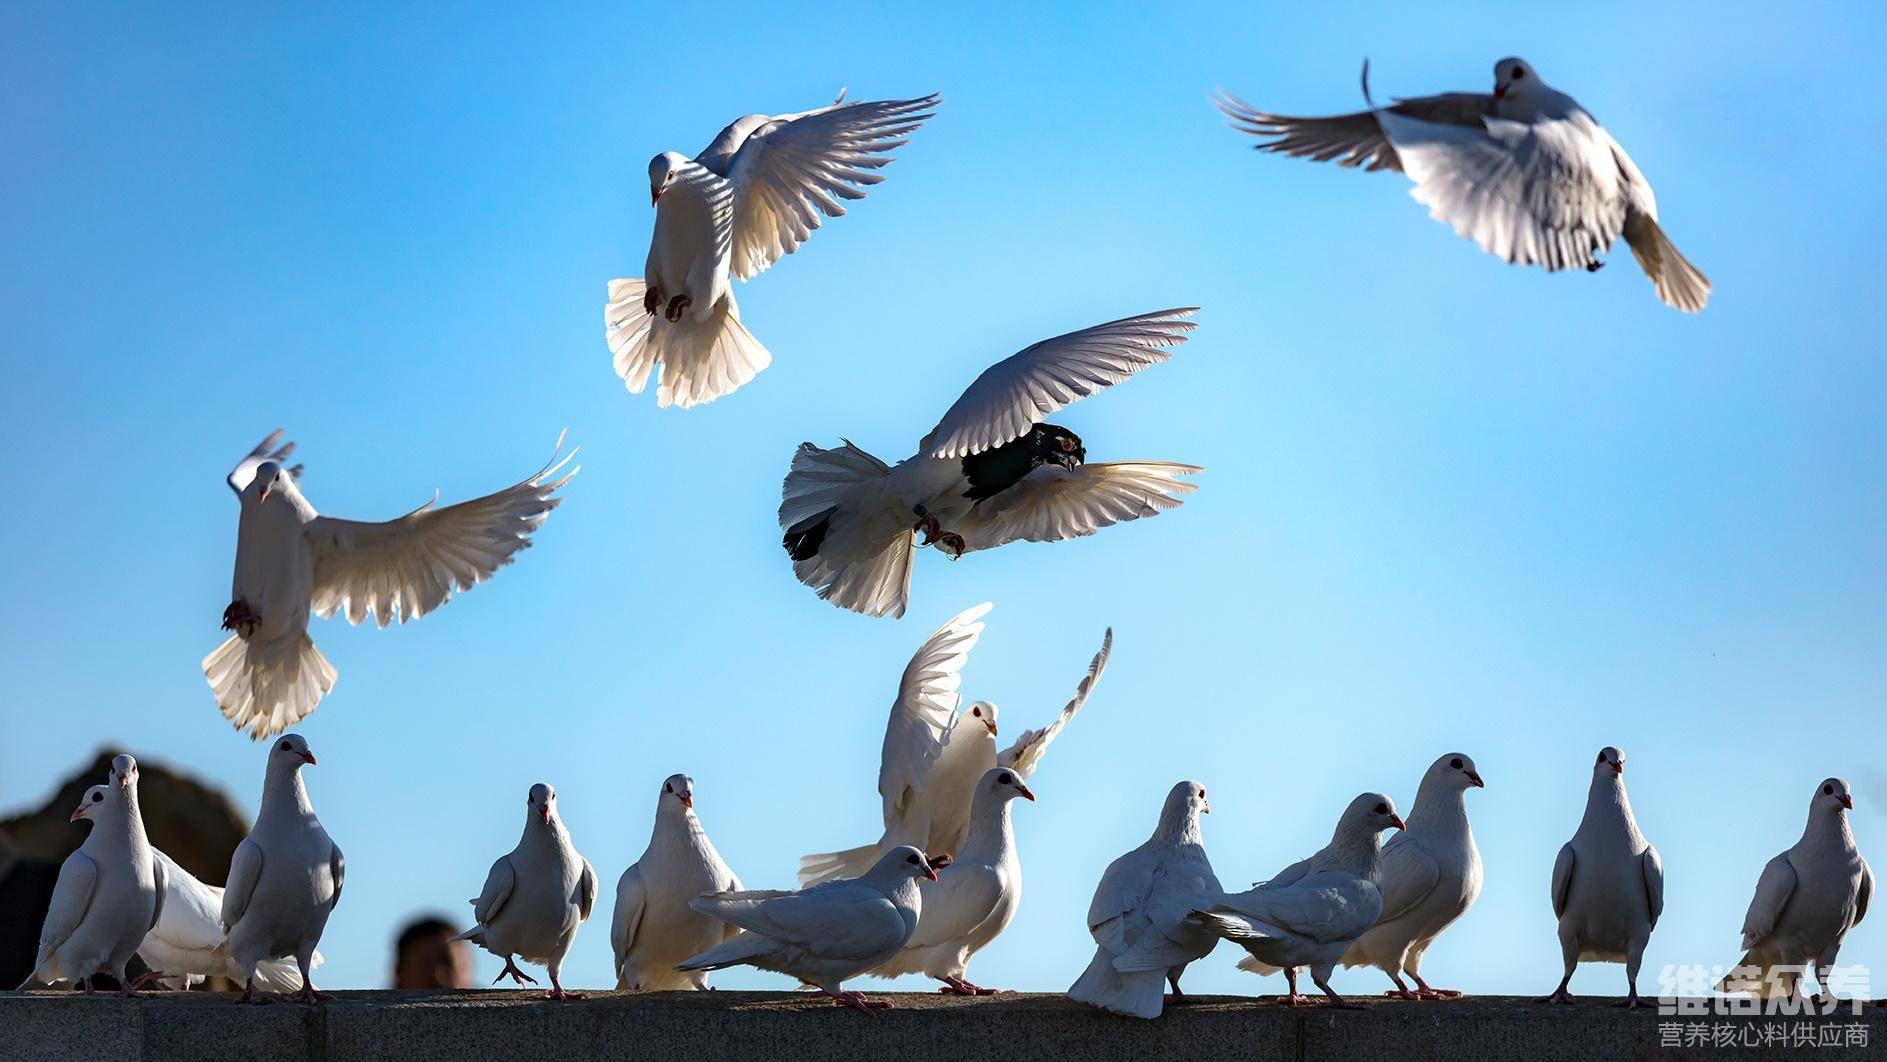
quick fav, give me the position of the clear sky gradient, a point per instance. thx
(1449, 504)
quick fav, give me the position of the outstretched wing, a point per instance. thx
(245, 471)
(927, 695)
(1014, 394)
(791, 172)
(1023, 756)
(405, 568)
(1051, 503)
(1350, 139)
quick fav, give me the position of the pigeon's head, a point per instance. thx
(124, 771)
(1005, 784)
(1187, 799)
(1514, 80)
(905, 861)
(664, 171)
(1373, 813)
(678, 790)
(290, 751)
(543, 802)
(1052, 444)
(1456, 770)
(982, 713)
(1832, 797)
(91, 803)
(1612, 760)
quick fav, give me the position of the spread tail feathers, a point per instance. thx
(827, 866)
(838, 548)
(1679, 284)
(266, 687)
(1140, 994)
(728, 953)
(700, 360)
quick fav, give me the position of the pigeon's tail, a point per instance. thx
(265, 687)
(476, 935)
(743, 948)
(700, 360)
(1250, 964)
(1754, 975)
(1140, 994)
(278, 975)
(833, 512)
(826, 866)
(1679, 284)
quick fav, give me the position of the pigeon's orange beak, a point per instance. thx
(1397, 819)
(991, 726)
(1476, 779)
(1847, 802)
(1618, 768)
(929, 873)
(686, 800)
(77, 813)
(1499, 91)
(1024, 790)
(308, 758)
(265, 493)
(543, 812)
(655, 195)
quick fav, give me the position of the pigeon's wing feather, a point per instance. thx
(245, 869)
(1350, 139)
(632, 895)
(961, 900)
(1325, 906)
(1287, 877)
(1562, 878)
(245, 471)
(790, 174)
(194, 909)
(72, 894)
(1014, 394)
(160, 879)
(920, 717)
(498, 885)
(586, 891)
(1118, 908)
(1546, 193)
(337, 870)
(1866, 894)
(402, 569)
(1409, 874)
(1773, 890)
(1023, 756)
(1653, 869)
(1052, 504)
(837, 920)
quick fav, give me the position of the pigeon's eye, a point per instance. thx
(1828, 790)
(96, 797)
(284, 746)
(666, 788)
(1067, 444)
(978, 712)
(1519, 72)
(1202, 794)
(911, 860)
(1382, 809)
(1455, 763)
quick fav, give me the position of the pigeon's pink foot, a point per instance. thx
(1294, 1000)
(956, 986)
(511, 970)
(238, 618)
(250, 995)
(1336, 1002)
(651, 300)
(1631, 1002)
(311, 997)
(1402, 993)
(558, 994)
(148, 979)
(860, 1001)
(678, 306)
(927, 523)
(1558, 995)
(1437, 993)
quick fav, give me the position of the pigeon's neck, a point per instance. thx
(904, 894)
(1607, 806)
(677, 827)
(122, 825)
(1827, 832)
(544, 836)
(1179, 827)
(1357, 851)
(992, 835)
(1440, 808)
(284, 797)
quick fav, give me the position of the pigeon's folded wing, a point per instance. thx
(1014, 394)
(1350, 139)
(961, 900)
(337, 871)
(1287, 877)
(405, 568)
(1051, 503)
(1324, 907)
(586, 891)
(1409, 874)
(71, 897)
(1116, 915)
(1653, 870)
(159, 880)
(838, 920)
(631, 897)
(245, 869)
(927, 695)
(192, 910)
(1023, 756)
(1773, 890)
(1865, 895)
(1546, 193)
(1562, 878)
(791, 173)
(498, 885)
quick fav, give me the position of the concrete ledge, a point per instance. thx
(520, 1026)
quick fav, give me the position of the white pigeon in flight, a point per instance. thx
(653, 927)
(990, 473)
(1431, 875)
(109, 892)
(535, 897)
(1522, 171)
(1806, 901)
(1608, 883)
(1309, 913)
(1142, 902)
(756, 193)
(975, 894)
(284, 879)
(291, 560)
(824, 934)
(936, 752)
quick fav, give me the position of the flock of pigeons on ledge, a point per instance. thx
(1523, 170)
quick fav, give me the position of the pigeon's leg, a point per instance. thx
(1558, 995)
(1172, 978)
(1401, 991)
(249, 993)
(237, 617)
(1332, 1001)
(556, 990)
(934, 533)
(1634, 955)
(1425, 992)
(1292, 999)
(511, 970)
(651, 299)
(85, 985)
(304, 959)
(146, 979)
(678, 306)
(1569, 954)
(957, 986)
(859, 1001)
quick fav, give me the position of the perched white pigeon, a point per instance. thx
(974, 896)
(935, 753)
(824, 934)
(290, 560)
(1309, 913)
(1524, 172)
(1806, 901)
(756, 193)
(535, 897)
(284, 878)
(108, 895)
(988, 474)
(1431, 875)
(187, 941)
(1142, 902)
(654, 928)
(1608, 884)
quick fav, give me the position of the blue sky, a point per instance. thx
(1448, 505)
